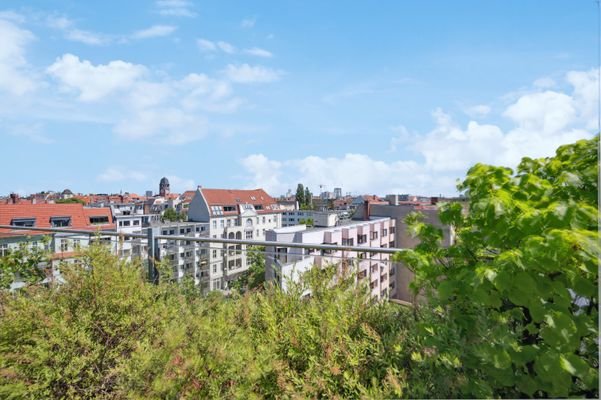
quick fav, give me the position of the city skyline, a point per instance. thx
(396, 99)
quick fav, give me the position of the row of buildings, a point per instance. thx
(369, 222)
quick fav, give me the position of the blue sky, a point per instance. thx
(400, 96)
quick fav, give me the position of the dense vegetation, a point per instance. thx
(510, 310)
(516, 298)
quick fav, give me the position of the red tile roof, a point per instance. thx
(235, 197)
(80, 216)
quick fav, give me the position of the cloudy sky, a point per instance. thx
(375, 98)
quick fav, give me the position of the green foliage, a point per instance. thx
(516, 297)
(108, 333)
(300, 194)
(72, 200)
(254, 276)
(25, 264)
(171, 215)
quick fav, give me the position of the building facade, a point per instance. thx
(285, 264)
(232, 214)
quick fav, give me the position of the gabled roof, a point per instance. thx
(80, 216)
(236, 197)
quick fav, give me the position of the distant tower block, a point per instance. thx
(337, 193)
(164, 187)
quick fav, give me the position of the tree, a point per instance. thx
(72, 200)
(171, 215)
(516, 297)
(308, 199)
(300, 195)
(254, 277)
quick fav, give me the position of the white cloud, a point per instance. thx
(15, 74)
(248, 23)
(33, 132)
(166, 124)
(478, 111)
(86, 37)
(544, 83)
(265, 173)
(12, 16)
(547, 111)
(245, 73)
(586, 95)
(542, 121)
(119, 174)
(255, 51)
(206, 45)
(226, 47)
(94, 82)
(154, 31)
(180, 185)
(175, 8)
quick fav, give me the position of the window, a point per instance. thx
(4, 250)
(188, 230)
(100, 219)
(384, 232)
(253, 198)
(136, 222)
(214, 268)
(217, 210)
(57, 222)
(392, 230)
(257, 220)
(249, 235)
(221, 223)
(126, 223)
(361, 239)
(214, 224)
(76, 244)
(374, 235)
(229, 208)
(263, 219)
(23, 222)
(64, 245)
(249, 222)
(258, 206)
(172, 231)
(258, 233)
(229, 223)
(348, 242)
(165, 232)
(182, 231)
(214, 253)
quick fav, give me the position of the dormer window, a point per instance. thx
(253, 198)
(59, 222)
(217, 210)
(229, 208)
(258, 206)
(99, 220)
(28, 222)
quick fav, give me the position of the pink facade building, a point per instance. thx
(286, 264)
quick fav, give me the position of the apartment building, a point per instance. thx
(398, 211)
(188, 258)
(232, 214)
(310, 217)
(63, 247)
(284, 264)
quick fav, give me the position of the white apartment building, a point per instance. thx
(188, 258)
(285, 264)
(318, 218)
(232, 214)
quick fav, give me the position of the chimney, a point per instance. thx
(366, 210)
(14, 198)
(34, 200)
